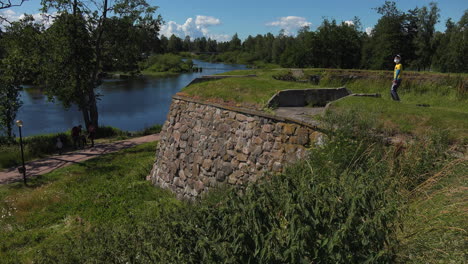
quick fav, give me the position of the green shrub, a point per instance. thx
(167, 63)
(108, 131)
(154, 129)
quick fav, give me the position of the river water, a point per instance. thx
(126, 104)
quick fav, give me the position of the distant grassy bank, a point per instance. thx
(168, 64)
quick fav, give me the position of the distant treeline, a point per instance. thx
(411, 34)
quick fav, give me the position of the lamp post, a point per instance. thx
(19, 123)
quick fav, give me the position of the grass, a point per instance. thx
(43, 145)
(254, 90)
(403, 117)
(342, 204)
(102, 191)
(441, 90)
(435, 229)
(445, 94)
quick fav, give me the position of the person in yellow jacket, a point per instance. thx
(396, 78)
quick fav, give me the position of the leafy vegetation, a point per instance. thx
(68, 57)
(435, 225)
(345, 44)
(345, 203)
(166, 63)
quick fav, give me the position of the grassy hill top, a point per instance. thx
(430, 101)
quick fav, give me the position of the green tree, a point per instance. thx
(9, 101)
(187, 44)
(175, 44)
(163, 43)
(235, 43)
(388, 38)
(211, 45)
(18, 65)
(424, 41)
(124, 53)
(451, 53)
(81, 28)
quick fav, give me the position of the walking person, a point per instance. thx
(91, 134)
(81, 137)
(59, 145)
(75, 133)
(396, 78)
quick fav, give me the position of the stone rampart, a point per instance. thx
(204, 144)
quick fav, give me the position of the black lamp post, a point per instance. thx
(19, 123)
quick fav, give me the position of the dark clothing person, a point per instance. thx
(76, 136)
(394, 89)
(91, 134)
(59, 145)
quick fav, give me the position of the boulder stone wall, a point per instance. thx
(203, 145)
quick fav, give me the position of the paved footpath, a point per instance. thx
(42, 166)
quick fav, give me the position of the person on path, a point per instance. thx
(396, 78)
(77, 137)
(59, 145)
(91, 134)
(75, 133)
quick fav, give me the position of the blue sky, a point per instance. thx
(221, 19)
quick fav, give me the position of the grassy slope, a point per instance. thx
(442, 92)
(257, 90)
(435, 229)
(420, 88)
(101, 191)
(403, 117)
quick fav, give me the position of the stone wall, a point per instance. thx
(203, 145)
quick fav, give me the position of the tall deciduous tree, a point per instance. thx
(175, 44)
(388, 38)
(424, 41)
(81, 28)
(451, 54)
(19, 62)
(9, 101)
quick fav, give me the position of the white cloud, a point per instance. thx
(349, 23)
(369, 30)
(290, 24)
(207, 21)
(11, 16)
(195, 28)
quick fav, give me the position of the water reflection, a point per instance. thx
(126, 104)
